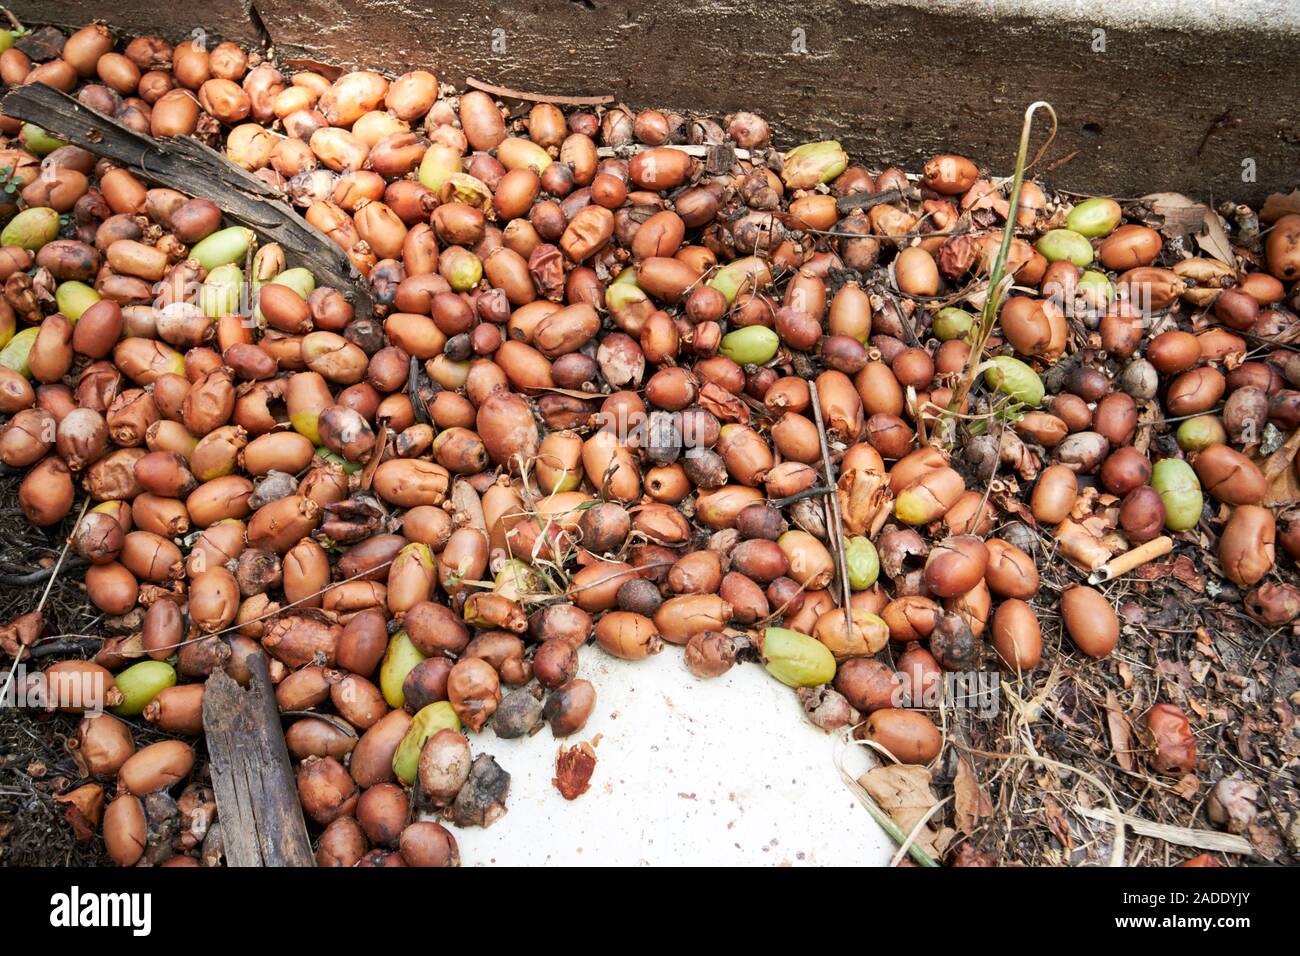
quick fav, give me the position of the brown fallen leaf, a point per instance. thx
(1121, 743)
(1188, 786)
(1278, 205)
(1181, 214)
(970, 801)
(1214, 239)
(1148, 416)
(1125, 674)
(1180, 567)
(1184, 571)
(1245, 748)
(82, 831)
(903, 791)
(1283, 486)
(1174, 672)
(1265, 840)
(573, 770)
(1057, 823)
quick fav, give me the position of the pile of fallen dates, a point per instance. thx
(587, 410)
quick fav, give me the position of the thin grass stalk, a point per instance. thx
(999, 282)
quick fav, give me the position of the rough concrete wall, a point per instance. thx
(1150, 103)
(227, 19)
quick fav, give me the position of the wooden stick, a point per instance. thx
(1182, 836)
(194, 169)
(1126, 562)
(832, 503)
(257, 797)
(507, 93)
(699, 152)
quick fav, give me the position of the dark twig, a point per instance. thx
(847, 204)
(330, 719)
(71, 646)
(37, 576)
(800, 496)
(194, 169)
(506, 92)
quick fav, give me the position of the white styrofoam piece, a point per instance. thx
(688, 772)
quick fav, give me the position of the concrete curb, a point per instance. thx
(1191, 96)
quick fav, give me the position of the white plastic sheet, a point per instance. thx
(689, 772)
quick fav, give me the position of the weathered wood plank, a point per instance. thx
(257, 797)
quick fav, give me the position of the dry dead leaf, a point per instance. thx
(1175, 672)
(330, 73)
(1181, 214)
(1150, 414)
(1188, 786)
(903, 791)
(1057, 823)
(1245, 748)
(1180, 567)
(1126, 675)
(82, 829)
(1121, 743)
(1283, 486)
(1214, 239)
(1278, 205)
(1265, 840)
(970, 800)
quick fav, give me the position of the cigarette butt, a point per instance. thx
(1122, 564)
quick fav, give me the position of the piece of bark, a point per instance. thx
(189, 166)
(257, 797)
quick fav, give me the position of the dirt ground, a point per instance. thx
(35, 766)
(1185, 639)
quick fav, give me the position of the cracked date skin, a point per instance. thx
(573, 769)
